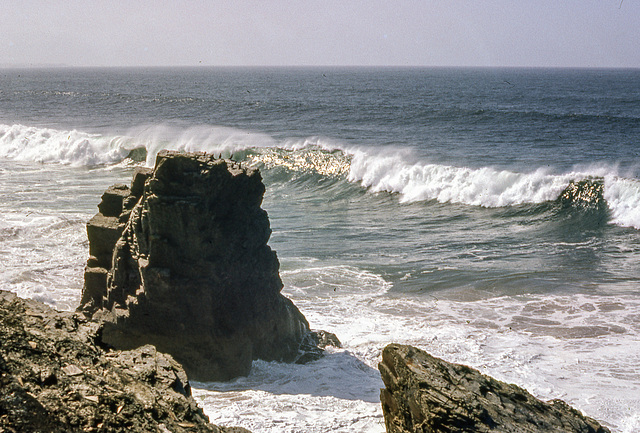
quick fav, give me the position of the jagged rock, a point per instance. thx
(55, 377)
(140, 176)
(95, 282)
(428, 395)
(103, 232)
(192, 272)
(324, 339)
(111, 204)
(313, 344)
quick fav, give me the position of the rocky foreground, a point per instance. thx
(55, 376)
(428, 395)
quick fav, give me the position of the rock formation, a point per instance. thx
(180, 260)
(55, 377)
(428, 395)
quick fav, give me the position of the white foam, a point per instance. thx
(45, 145)
(335, 296)
(486, 186)
(336, 393)
(623, 197)
(385, 169)
(392, 171)
(42, 256)
(204, 138)
(580, 348)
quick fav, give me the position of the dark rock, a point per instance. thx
(426, 394)
(55, 377)
(111, 204)
(324, 339)
(103, 233)
(104, 230)
(140, 176)
(92, 262)
(313, 344)
(193, 275)
(95, 281)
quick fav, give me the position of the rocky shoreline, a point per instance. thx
(56, 376)
(179, 263)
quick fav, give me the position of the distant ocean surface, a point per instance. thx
(488, 216)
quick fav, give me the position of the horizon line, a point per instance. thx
(6, 66)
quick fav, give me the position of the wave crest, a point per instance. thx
(45, 145)
(306, 160)
(485, 186)
(395, 171)
(623, 198)
(585, 194)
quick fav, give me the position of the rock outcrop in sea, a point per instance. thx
(428, 395)
(56, 377)
(180, 260)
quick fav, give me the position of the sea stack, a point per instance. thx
(180, 260)
(428, 395)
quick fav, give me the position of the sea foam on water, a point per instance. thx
(426, 212)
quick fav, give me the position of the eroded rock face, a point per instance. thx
(428, 395)
(191, 271)
(55, 377)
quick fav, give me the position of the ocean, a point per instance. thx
(488, 216)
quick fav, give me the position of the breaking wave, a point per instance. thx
(45, 145)
(395, 171)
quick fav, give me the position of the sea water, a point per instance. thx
(418, 206)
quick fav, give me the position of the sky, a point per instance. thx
(539, 33)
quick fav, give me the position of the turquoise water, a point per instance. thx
(420, 206)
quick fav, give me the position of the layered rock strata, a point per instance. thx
(190, 270)
(56, 377)
(103, 231)
(428, 395)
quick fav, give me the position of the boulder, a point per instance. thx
(428, 395)
(192, 274)
(56, 377)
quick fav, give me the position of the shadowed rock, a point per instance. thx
(428, 395)
(192, 274)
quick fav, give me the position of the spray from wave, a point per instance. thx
(388, 170)
(485, 187)
(45, 145)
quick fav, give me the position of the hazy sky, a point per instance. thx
(584, 33)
